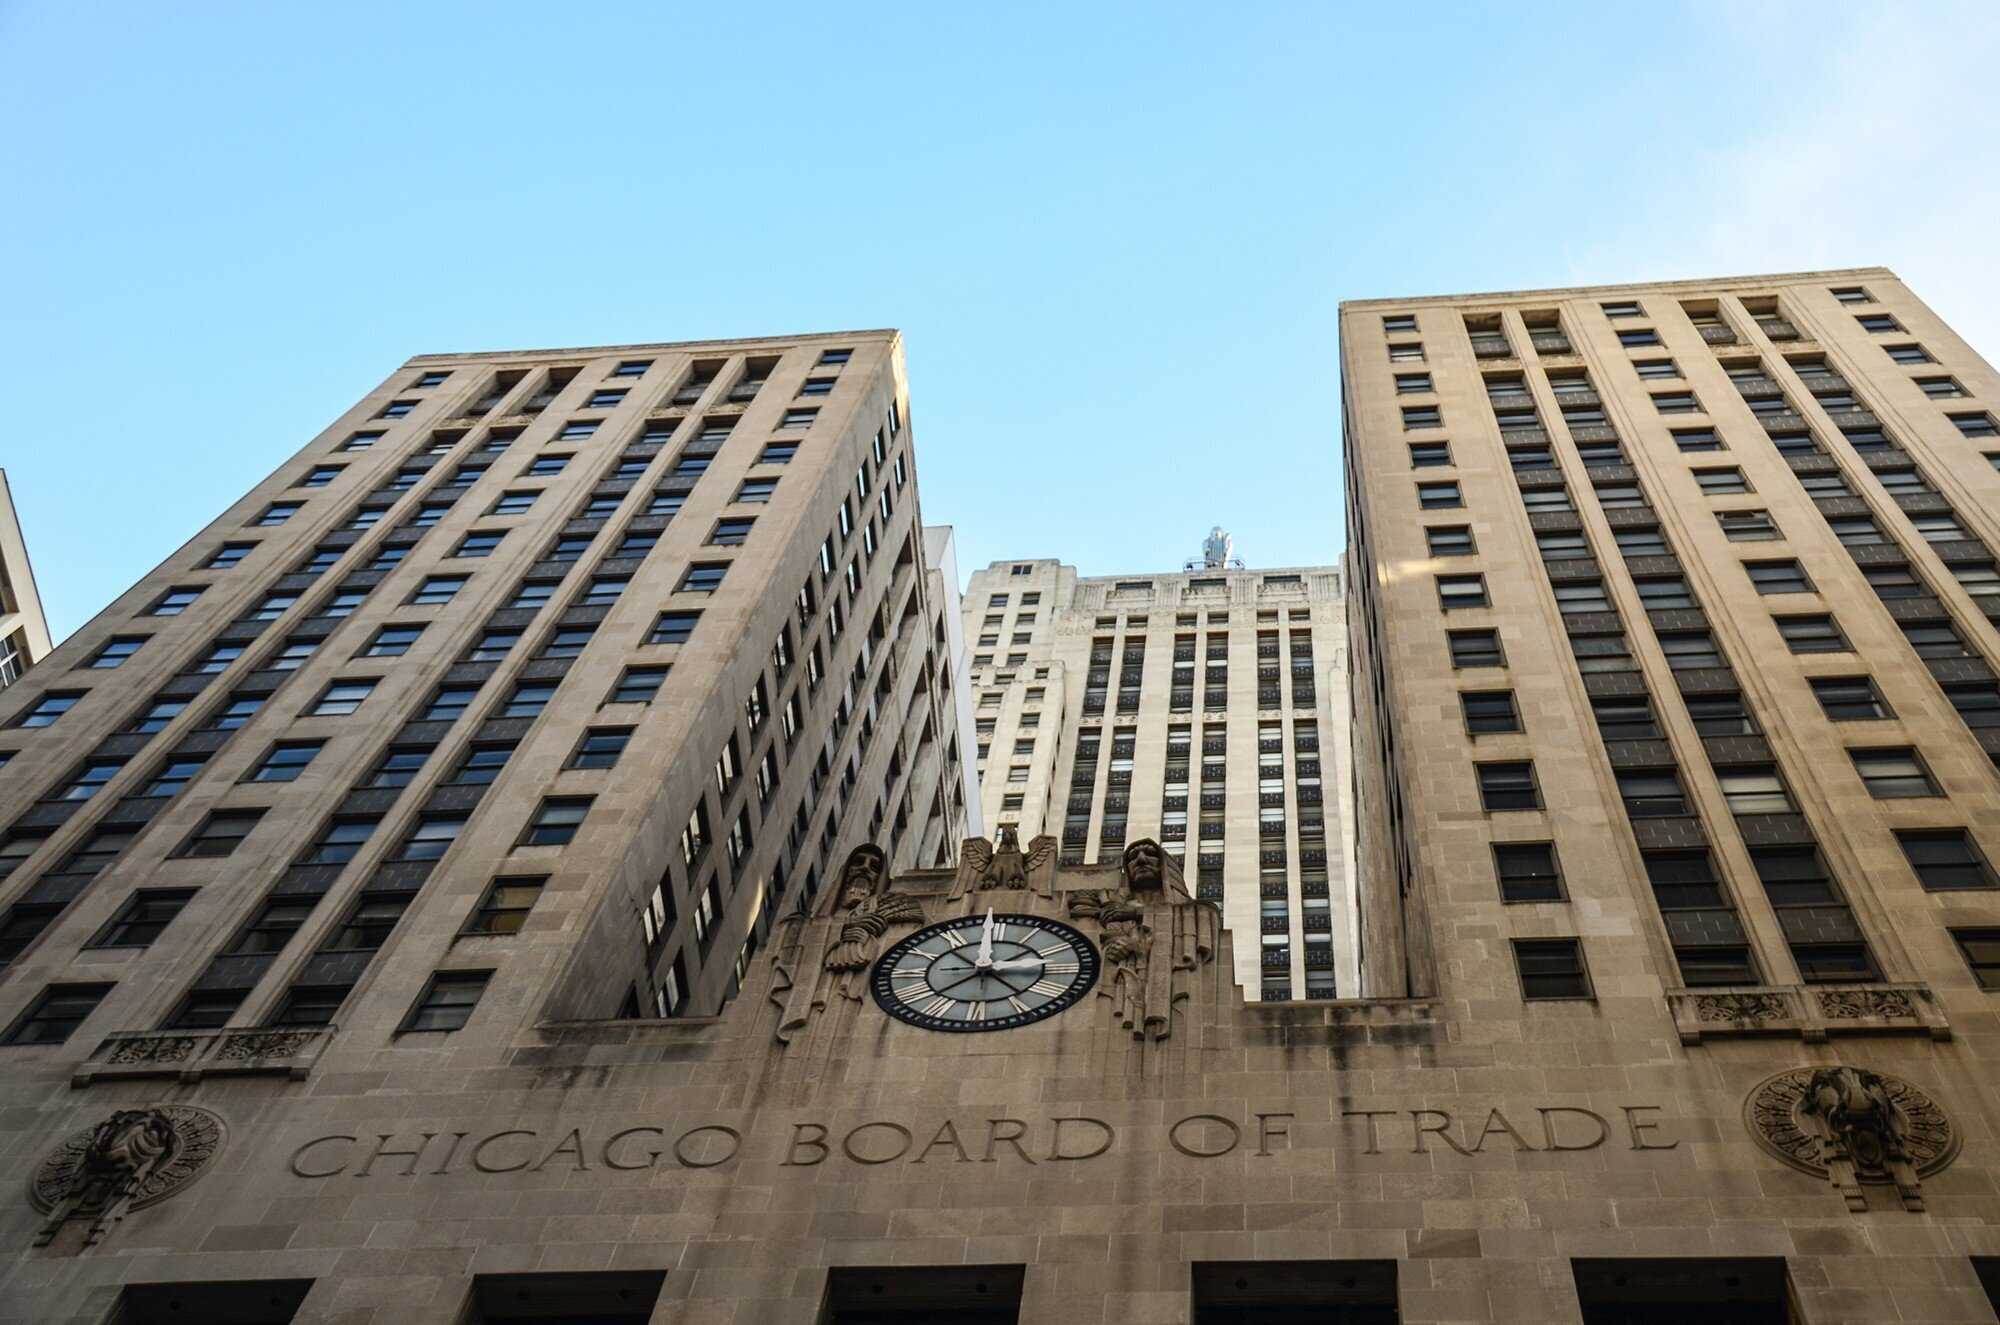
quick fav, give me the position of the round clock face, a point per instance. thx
(985, 973)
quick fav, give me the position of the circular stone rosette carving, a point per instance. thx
(1775, 1114)
(198, 1135)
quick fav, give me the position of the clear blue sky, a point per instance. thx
(1115, 237)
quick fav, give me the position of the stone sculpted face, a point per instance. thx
(1144, 865)
(861, 876)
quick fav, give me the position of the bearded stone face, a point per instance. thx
(1145, 867)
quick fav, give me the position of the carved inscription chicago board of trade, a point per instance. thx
(975, 1139)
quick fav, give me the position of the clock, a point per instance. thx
(985, 973)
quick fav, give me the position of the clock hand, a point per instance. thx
(986, 941)
(1019, 964)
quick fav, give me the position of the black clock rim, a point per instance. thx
(1086, 980)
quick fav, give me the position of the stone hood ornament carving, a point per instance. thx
(132, 1159)
(983, 865)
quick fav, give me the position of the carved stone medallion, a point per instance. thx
(1852, 1126)
(134, 1158)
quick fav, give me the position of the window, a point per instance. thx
(53, 1016)
(1976, 424)
(567, 641)
(272, 606)
(438, 589)
(173, 602)
(1638, 338)
(429, 840)
(1421, 416)
(341, 699)
(1981, 949)
(1527, 872)
(1656, 370)
(114, 653)
(1652, 793)
(1772, 577)
(1877, 323)
(1754, 789)
(172, 777)
(1893, 774)
(1980, 579)
(703, 577)
(88, 780)
(1476, 648)
(1490, 711)
(512, 503)
(1677, 402)
(529, 698)
(1716, 482)
(505, 907)
(601, 747)
(1449, 540)
(1393, 323)
(1413, 384)
(1625, 718)
(493, 645)
(449, 703)
(398, 766)
(1946, 859)
(1849, 698)
(1509, 786)
(1815, 633)
(798, 418)
(637, 686)
(1977, 702)
(1429, 455)
(533, 593)
(1939, 528)
(48, 708)
(1551, 968)
(1747, 526)
(1658, 593)
(673, 628)
(157, 715)
(278, 512)
(228, 555)
(731, 532)
(342, 604)
(1456, 591)
(482, 764)
(1582, 598)
(1438, 496)
(604, 590)
(1410, 352)
(242, 706)
(557, 821)
(1619, 496)
(479, 543)
(285, 761)
(1934, 639)
(1908, 354)
(391, 642)
(145, 914)
(447, 1003)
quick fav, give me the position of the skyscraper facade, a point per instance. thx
(24, 630)
(1682, 612)
(1205, 707)
(540, 681)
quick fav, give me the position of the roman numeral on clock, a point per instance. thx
(1047, 988)
(935, 1007)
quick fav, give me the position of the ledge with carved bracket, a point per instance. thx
(192, 1055)
(1811, 1012)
